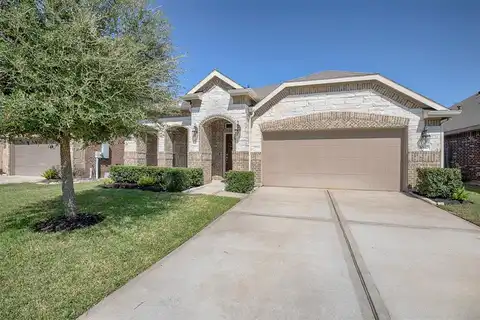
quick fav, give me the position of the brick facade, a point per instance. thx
(117, 153)
(421, 159)
(334, 120)
(462, 151)
(84, 158)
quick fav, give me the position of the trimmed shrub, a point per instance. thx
(131, 174)
(146, 181)
(196, 176)
(51, 174)
(239, 181)
(177, 179)
(170, 179)
(438, 182)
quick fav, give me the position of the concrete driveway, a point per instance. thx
(287, 253)
(4, 179)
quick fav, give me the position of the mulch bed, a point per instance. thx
(445, 201)
(133, 186)
(64, 223)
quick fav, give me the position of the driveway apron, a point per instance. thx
(424, 261)
(276, 255)
(292, 253)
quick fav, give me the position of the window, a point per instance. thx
(228, 126)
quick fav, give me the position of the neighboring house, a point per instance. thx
(332, 129)
(29, 157)
(462, 138)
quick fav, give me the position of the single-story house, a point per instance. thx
(462, 138)
(333, 129)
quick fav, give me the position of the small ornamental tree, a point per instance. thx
(82, 70)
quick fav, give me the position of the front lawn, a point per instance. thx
(61, 275)
(467, 211)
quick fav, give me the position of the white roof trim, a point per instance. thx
(212, 75)
(377, 77)
(242, 92)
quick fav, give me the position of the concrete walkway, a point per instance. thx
(216, 187)
(287, 253)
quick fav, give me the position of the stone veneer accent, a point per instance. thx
(257, 166)
(135, 151)
(4, 157)
(342, 87)
(334, 120)
(421, 159)
(462, 151)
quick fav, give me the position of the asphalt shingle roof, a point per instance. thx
(262, 92)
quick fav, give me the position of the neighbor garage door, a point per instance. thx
(34, 159)
(343, 159)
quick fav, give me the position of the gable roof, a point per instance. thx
(334, 77)
(469, 119)
(262, 92)
(212, 75)
(267, 93)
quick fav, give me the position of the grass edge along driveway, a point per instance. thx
(61, 275)
(467, 211)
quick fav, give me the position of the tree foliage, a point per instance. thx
(87, 70)
(83, 70)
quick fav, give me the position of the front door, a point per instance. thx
(228, 151)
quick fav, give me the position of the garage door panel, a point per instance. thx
(330, 181)
(353, 159)
(34, 159)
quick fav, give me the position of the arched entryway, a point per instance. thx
(217, 145)
(176, 147)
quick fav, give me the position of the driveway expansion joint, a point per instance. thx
(376, 304)
(282, 216)
(409, 226)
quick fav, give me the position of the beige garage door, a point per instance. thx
(34, 159)
(342, 159)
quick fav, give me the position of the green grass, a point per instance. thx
(61, 275)
(468, 211)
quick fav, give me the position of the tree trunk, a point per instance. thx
(68, 193)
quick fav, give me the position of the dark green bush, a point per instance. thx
(239, 181)
(177, 179)
(196, 176)
(170, 179)
(128, 174)
(438, 182)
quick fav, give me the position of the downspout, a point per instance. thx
(442, 143)
(442, 148)
(250, 116)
